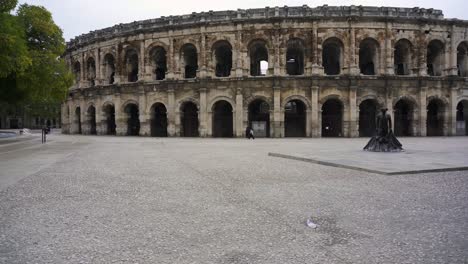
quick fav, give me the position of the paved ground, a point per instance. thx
(144, 200)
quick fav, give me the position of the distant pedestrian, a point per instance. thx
(249, 133)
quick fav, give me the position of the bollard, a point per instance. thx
(44, 136)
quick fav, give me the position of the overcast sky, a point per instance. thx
(76, 17)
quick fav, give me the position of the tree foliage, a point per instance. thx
(32, 71)
(7, 5)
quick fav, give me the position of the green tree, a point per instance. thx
(32, 73)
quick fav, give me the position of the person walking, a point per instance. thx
(249, 133)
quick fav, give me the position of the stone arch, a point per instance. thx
(295, 117)
(462, 59)
(435, 57)
(259, 112)
(131, 111)
(220, 98)
(250, 99)
(91, 70)
(369, 56)
(189, 60)
(403, 56)
(332, 116)
(152, 45)
(188, 111)
(182, 102)
(258, 53)
(108, 123)
(131, 62)
(436, 116)
(295, 56)
(158, 120)
(405, 116)
(77, 71)
(333, 56)
(297, 97)
(157, 59)
(462, 117)
(222, 58)
(127, 102)
(368, 110)
(223, 118)
(380, 101)
(77, 120)
(109, 68)
(91, 112)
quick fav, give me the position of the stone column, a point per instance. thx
(118, 65)
(120, 117)
(316, 68)
(277, 122)
(82, 71)
(353, 118)
(389, 50)
(314, 109)
(452, 69)
(353, 59)
(239, 113)
(99, 118)
(278, 68)
(171, 59)
(171, 112)
(99, 78)
(142, 70)
(145, 122)
(423, 110)
(202, 114)
(202, 56)
(83, 117)
(452, 115)
(422, 56)
(239, 51)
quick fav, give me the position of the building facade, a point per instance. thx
(285, 71)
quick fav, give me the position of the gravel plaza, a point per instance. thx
(88, 199)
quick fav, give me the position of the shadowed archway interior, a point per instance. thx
(222, 119)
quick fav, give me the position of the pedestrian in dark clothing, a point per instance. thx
(249, 133)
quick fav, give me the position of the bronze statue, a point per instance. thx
(384, 140)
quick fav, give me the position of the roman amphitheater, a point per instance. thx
(285, 71)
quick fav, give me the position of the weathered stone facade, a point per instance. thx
(329, 70)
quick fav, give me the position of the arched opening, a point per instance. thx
(223, 58)
(77, 120)
(435, 58)
(158, 120)
(259, 118)
(91, 116)
(158, 63)
(258, 58)
(367, 117)
(222, 119)
(133, 120)
(332, 56)
(462, 118)
(109, 68)
(435, 118)
(462, 59)
(332, 118)
(189, 120)
(403, 118)
(402, 57)
(91, 71)
(131, 65)
(295, 114)
(109, 114)
(190, 57)
(368, 56)
(77, 72)
(295, 57)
